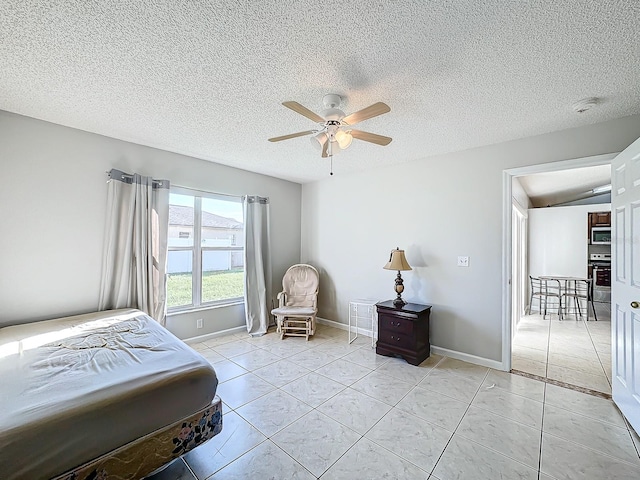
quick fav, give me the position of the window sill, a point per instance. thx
(181, 311)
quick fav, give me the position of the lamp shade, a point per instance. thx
(397, 261)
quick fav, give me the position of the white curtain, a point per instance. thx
(257, 264)
(135, 245)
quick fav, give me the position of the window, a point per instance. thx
(205, 263)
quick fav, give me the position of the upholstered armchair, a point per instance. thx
(298, 302)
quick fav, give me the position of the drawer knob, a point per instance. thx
(395, 324)
(397, 339)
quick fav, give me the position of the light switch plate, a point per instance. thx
(463, 261)
(199, 323)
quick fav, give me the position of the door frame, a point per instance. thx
(507, 193)
(520, 214)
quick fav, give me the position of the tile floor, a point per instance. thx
(326, 409)
(573, 351)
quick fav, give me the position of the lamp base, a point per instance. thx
(399, 288)
(399, 302)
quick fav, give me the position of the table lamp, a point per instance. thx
(397, 261)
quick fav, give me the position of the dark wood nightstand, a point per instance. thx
(404, 332)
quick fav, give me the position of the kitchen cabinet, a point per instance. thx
(598, 219)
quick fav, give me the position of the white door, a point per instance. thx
(625, 286)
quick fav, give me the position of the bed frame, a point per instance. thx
(144, 455)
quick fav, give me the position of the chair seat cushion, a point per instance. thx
(298, 311)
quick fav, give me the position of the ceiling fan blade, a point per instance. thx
(324, 149)
(296, 107)
(371, 137)
(292, 135)
(366, 113)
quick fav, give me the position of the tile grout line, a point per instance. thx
(544, 406)
(316, 408)
(596, 350)
(461, 419)
(599, 452)
(268, 438)
(547, 363)
(416, 385)
(361, 436)
(380, 419)
(507, 418)
(346, 426)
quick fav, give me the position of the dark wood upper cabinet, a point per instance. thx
(598, 219)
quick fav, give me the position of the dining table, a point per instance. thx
(567, 287)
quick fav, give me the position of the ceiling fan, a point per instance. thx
(335, 133)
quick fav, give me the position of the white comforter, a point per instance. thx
(74, 388)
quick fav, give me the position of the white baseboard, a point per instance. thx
(344, 326)
(466, 357)
(221, 333)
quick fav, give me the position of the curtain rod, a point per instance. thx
(129, 176)
(160, 184)
(206, 191)
(213, 194)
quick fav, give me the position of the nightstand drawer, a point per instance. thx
(395, 339)
(394, 324)
(403, 331)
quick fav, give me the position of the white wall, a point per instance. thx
(558, 240)
(436, 209)
(52, 216)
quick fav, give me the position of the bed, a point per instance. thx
(109, 394)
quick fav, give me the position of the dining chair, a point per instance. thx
(544, 290)
(577, 297)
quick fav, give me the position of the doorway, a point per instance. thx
(548, 338)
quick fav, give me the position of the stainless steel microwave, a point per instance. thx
(601, 236)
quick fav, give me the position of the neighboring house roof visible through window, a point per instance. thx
(181, 215)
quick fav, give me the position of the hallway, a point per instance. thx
(575, 352)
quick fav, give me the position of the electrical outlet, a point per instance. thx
(199, 323)
(463, 261)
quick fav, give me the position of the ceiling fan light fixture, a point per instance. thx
(319, 140)
(344, 139)
(334, 132)
(333, 114)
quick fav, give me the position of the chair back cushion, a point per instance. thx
(300, 283)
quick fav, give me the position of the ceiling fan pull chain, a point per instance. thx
(331, 164)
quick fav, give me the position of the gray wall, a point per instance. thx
(436, 209)
(53, 209)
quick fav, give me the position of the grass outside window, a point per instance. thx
(216, 286)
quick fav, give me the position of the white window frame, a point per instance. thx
(197, 251)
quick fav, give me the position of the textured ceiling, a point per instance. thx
(207, 78)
